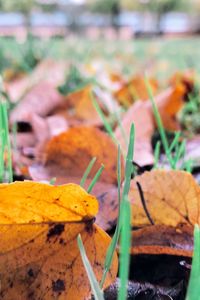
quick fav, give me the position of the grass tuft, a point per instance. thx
(176, 150)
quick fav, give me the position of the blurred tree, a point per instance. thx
(112, 7)
(23, 6)
(160, 7)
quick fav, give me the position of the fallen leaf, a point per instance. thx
(141, 114)
(166, 219)
(187, 78)
(45, 203)
(172, 198)
(46, 70)
(69, 154)
(106, 194)
(169, 104)
(135, 89)
(39, 254)
(83, 108)
(41, 100)
(161, 239)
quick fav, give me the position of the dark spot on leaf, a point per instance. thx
(55, 230)
(58, 285)
(89, 225)
(30, 273)
(62, 242)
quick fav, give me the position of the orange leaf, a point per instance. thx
(69, 154)
(135, 89)
(83, 106)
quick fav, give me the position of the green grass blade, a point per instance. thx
(125, 221)
(105, 122)
(113, 244)
(5, 153)
(95, 179)
(123, 133)
(129, 160)
(159, 123)
(180, 152)
(7, 141)
(96, 290)
(119, 174)
(188, 165)
(125, 244)
(156, 154)
(87, 171)
(1, 161)
(193, 292)
(128, 172)
(175, 141)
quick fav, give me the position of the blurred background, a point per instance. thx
(161, 35)
(94, 18)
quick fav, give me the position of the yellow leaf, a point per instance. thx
(39, 202)
(39, 257)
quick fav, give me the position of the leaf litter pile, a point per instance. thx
(100, 173)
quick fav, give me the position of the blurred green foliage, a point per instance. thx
(24, 6)
(159, 6)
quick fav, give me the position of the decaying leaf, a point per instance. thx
(69, 154)
(172, 203)
(39, 254)
(161, 239)
(135, 89)
(172, 198)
